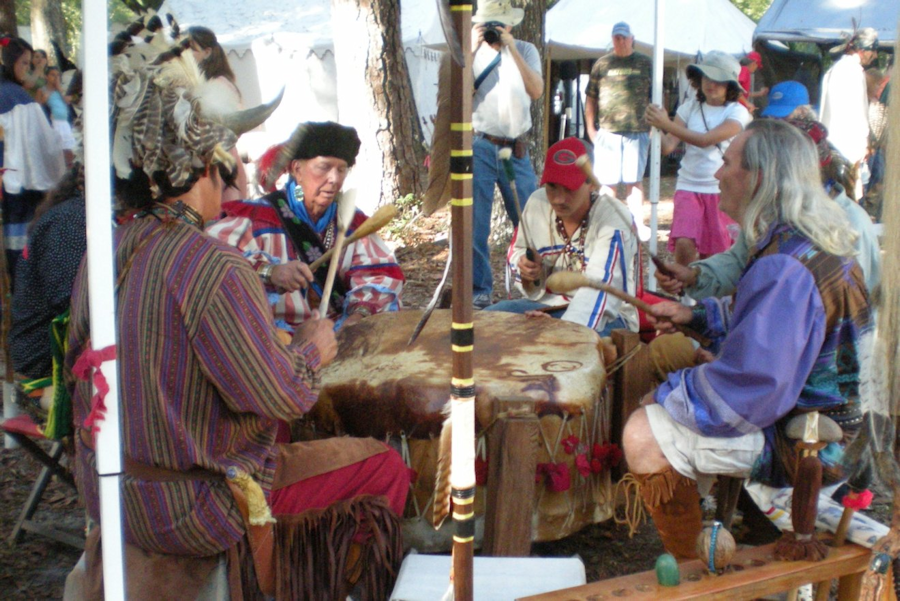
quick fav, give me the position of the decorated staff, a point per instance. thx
(459, 483)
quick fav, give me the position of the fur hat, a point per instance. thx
(309, 140)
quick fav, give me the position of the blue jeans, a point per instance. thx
(487, 171)
(522, 305)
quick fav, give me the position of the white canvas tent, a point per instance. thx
(581, 28)
(290, 44)
(823, 21)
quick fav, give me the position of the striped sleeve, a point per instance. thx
(374, 279)
(238, 232)
(609, 264)
(241, 355)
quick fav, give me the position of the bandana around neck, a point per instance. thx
(294, 195)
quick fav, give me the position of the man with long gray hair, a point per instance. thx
(786, 343)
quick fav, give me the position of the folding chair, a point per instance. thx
(25, 431)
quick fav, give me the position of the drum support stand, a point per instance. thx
(512, 460)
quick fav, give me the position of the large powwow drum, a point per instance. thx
(383, 388)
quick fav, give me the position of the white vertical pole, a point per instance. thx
(655, 139)
(101, 284)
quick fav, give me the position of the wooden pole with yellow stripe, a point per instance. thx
(462, 335)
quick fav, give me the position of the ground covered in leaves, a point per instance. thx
(36, 568)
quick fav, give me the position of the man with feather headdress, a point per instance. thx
(205, 379)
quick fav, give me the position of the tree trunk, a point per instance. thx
(375, 96)
(8, 18)
(47, 23)
(531, 29)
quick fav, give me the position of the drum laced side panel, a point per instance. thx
(573, 483)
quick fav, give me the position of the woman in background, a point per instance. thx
(32, 158)
(214, 66)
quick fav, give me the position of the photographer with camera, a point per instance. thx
(508, 77)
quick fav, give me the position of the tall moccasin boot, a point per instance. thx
(673, 501)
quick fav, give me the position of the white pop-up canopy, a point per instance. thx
(582, 28)
(291, 44)
(823, 21)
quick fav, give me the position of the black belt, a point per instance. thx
(497, 140)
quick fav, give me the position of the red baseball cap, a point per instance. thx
(560, 167)
(756, 58)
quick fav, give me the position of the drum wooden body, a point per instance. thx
(383, 388)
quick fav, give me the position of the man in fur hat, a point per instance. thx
(286, 230)
(507, 78)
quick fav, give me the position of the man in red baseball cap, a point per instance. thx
(750, 64)
(568, 226)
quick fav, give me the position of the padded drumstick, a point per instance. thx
(346, 210)
(567, 281)
(585, 165)
(380, 218)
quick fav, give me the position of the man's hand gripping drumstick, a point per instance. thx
(667, 316)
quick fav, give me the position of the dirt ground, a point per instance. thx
(36, 568)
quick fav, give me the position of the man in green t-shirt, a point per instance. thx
(617, 94)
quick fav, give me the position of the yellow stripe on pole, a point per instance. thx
(461, 153)
(461, 349)
(462, 383)
(461, 8)
(461, 126)
(462, 326)
(460, 176)
(461, 202)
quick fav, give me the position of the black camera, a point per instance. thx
(491, 33)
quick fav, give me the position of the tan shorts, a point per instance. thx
(702, 458)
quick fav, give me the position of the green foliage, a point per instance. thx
(753, 8)
(410, 207)
(71, 9)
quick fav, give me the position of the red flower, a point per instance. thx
(557, 476)
(596, 465)
(857, 500)
(481, 471)
(570, 443)
(608, 454)
(582, 464)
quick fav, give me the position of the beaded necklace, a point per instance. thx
(573, 251)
